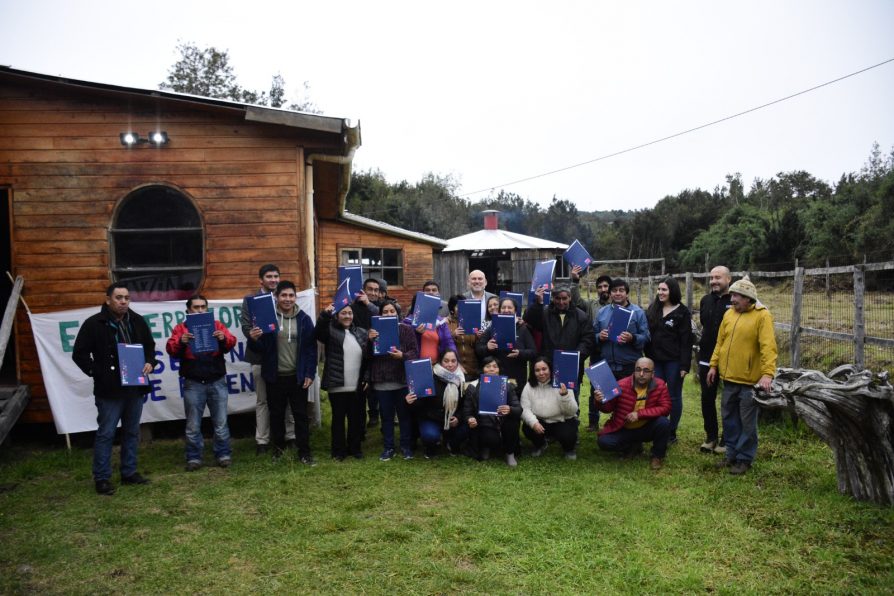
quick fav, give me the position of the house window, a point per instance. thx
(157, 244)
(381, 263)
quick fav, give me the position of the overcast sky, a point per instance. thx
(491, 92)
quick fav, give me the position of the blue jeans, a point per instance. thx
(739, 412)
(669, 372)
(657, 431)
(110, 411)
(196, 396)
(391, 401)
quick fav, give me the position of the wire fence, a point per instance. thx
(824, 317)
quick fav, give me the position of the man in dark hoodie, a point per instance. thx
(288, 366)
(96, 354)
(710, 312)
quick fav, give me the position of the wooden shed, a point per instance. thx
(506, 258)
(225, 188)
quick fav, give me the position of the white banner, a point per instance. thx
(70, 391)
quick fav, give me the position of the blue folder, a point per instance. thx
(420, 379)
(532, 299)
(263, 313)
(469, 315)
(619, 322)
(577, 255)
(565, 368)
(426, 310)
(601, 378)
(343, 295)
(201, 325)
(355, 274)
(492, 393)
(388, 335)
(504, 331)
(515, 297)
(131, 360)
(543, 275)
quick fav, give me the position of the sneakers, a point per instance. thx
(511, 461)
(307, 460)
(723, 463)
(134, 478)
(537, 452)
(571, 455)
(262, 448)
(104, 487)
(192, 466)
(708, 447)
(656, 463)
(739, 468)
(720, 450)
(387, 455)
(224, 462)
(407, 453)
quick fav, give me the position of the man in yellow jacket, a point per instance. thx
(745, 356)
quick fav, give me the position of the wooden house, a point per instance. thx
(201, 194)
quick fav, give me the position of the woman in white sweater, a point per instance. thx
(547, 412)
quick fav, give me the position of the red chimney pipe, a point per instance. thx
(490, 219)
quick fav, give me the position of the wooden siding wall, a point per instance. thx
(60, 153)
(334, 235)
(452, 272)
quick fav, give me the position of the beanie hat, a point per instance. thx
(745, 288)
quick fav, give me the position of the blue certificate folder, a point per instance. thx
(492, 393)
(201, 325)
(470, 315)
(619, 322)
(131, 360)
(543, 275)
(504, 331)
(388, 336)
(355, 274)
(426, 310)
(420, 379)
(263, 313)
(532, 298)
(601, 378)
(577, 255)
(565, 368)
(343, 295)
(515, 297)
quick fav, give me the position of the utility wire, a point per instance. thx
(678, 134)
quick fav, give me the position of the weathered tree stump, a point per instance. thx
(852, 412)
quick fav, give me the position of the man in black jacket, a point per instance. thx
(563, 327)
(711, 310)
(96, 354)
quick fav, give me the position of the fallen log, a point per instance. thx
(853, 412)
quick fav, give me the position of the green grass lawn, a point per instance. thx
(450, 525)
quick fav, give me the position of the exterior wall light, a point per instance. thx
(156, 138)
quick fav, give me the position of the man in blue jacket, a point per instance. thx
(621, 355)
(288, 366)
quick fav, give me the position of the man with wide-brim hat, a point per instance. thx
(744, 356)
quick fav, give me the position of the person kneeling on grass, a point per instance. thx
(488, 431)
(639, 415)
(547, 412)
(437, 416)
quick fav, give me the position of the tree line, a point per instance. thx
(792, 215)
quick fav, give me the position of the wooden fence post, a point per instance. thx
(689, 280)
(796, 317)
(859, 324)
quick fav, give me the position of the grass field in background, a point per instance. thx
(446, 526)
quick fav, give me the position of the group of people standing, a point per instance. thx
(650, 360)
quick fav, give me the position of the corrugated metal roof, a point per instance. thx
(499, 240)
(390, 229)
